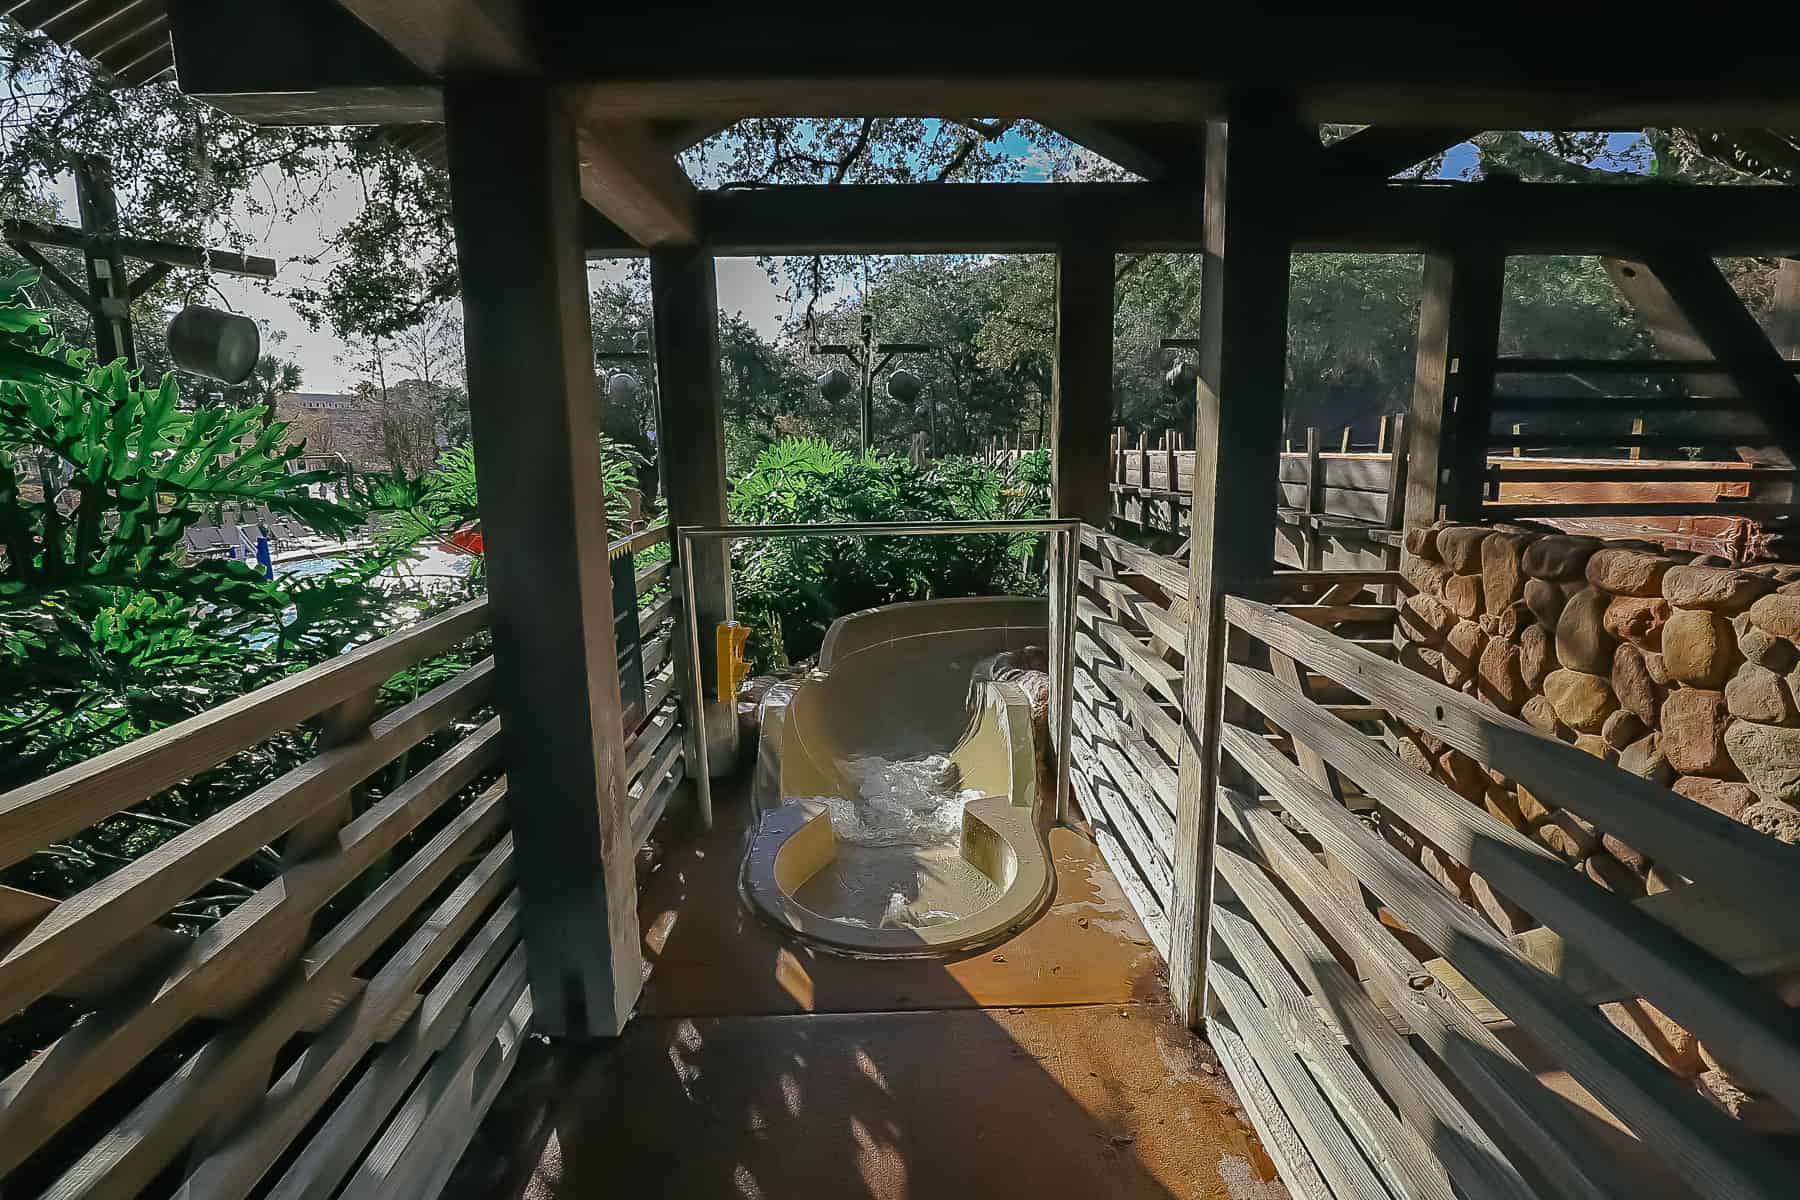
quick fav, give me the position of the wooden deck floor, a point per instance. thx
(1049, 1066)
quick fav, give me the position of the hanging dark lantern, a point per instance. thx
(834, 384)
(1182, 376)
(218, 345)
(904, 386)
(622, 388)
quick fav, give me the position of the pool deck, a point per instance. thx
(1049, 1065)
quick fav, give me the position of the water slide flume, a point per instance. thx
(902, 811)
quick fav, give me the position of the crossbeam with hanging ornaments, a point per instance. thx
(110, 289)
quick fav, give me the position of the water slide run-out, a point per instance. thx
(900, 810)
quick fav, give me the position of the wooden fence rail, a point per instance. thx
(387, 938)
(1342, 507)
(1368, 1014)
(1279, 953)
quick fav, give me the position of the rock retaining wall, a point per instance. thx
(1673, 666)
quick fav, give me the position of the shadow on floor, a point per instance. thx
(1047, 1066)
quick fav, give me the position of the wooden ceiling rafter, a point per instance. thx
(627, 174)
(1153, 150)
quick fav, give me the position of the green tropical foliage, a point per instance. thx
(789, 590)
(108, 632)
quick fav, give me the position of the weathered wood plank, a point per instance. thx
(356, 1118)
(1237, 447)
(52, 808)
(219, 972)
(1705, 1146)
(142, 1143)
(1158, 822)
(1157, 724)
(1292, 1160)
(422, 1142)
(1337, 614)
(1530, 1115)
(640, 541)
(1754, 948)
(1260, 996)
(1117, 811)
(534, 410)
(649, 739)
(88, 925)
(1739, 1019)
(1758, 871)
(685, 295)
(652, 615)
(1167, 573)
(1159, 675)
(1127, 601)
(1149, 763)
(234, 1168)
(653, 809)
(20, 910)
(1470, 1156)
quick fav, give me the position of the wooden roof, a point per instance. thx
(126, 39)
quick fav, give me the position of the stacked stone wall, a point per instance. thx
(1676, 667)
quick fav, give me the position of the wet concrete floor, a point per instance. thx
(1049, 1065)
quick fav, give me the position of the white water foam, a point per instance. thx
(901, 802)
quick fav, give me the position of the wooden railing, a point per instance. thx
(1371, 1071)
(180, 1063)
(1130, 641)
(1337, 508)
(656, 754)
(342, 1028)
(1367, 1013)
(1131, 618)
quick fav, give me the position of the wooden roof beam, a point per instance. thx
(382, 62)
(627, 174)
(631, 179)
(1378, 152)
(311, 66)
(1720, 319)
(1378, 217)
(1158, 151)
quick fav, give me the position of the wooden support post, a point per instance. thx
(1344, 443)
(1119, 448)
(1237, 444)
(1081, 407)
(691, 447)
(1081, 384)
(1381, 435)
(534, 411)
(107, 281)
(1143, 460)
(1453, 383)
(1393, 511)
(1313, 553)
(1171, 468)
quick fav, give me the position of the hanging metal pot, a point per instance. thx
(834, 384)
(218, 345)
(904, 386)
(622, 388)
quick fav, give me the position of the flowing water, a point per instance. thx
(899, 860)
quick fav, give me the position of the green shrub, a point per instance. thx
(790, 589)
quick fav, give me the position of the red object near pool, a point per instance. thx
(466, 540)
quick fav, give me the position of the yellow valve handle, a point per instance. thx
(732, 668)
